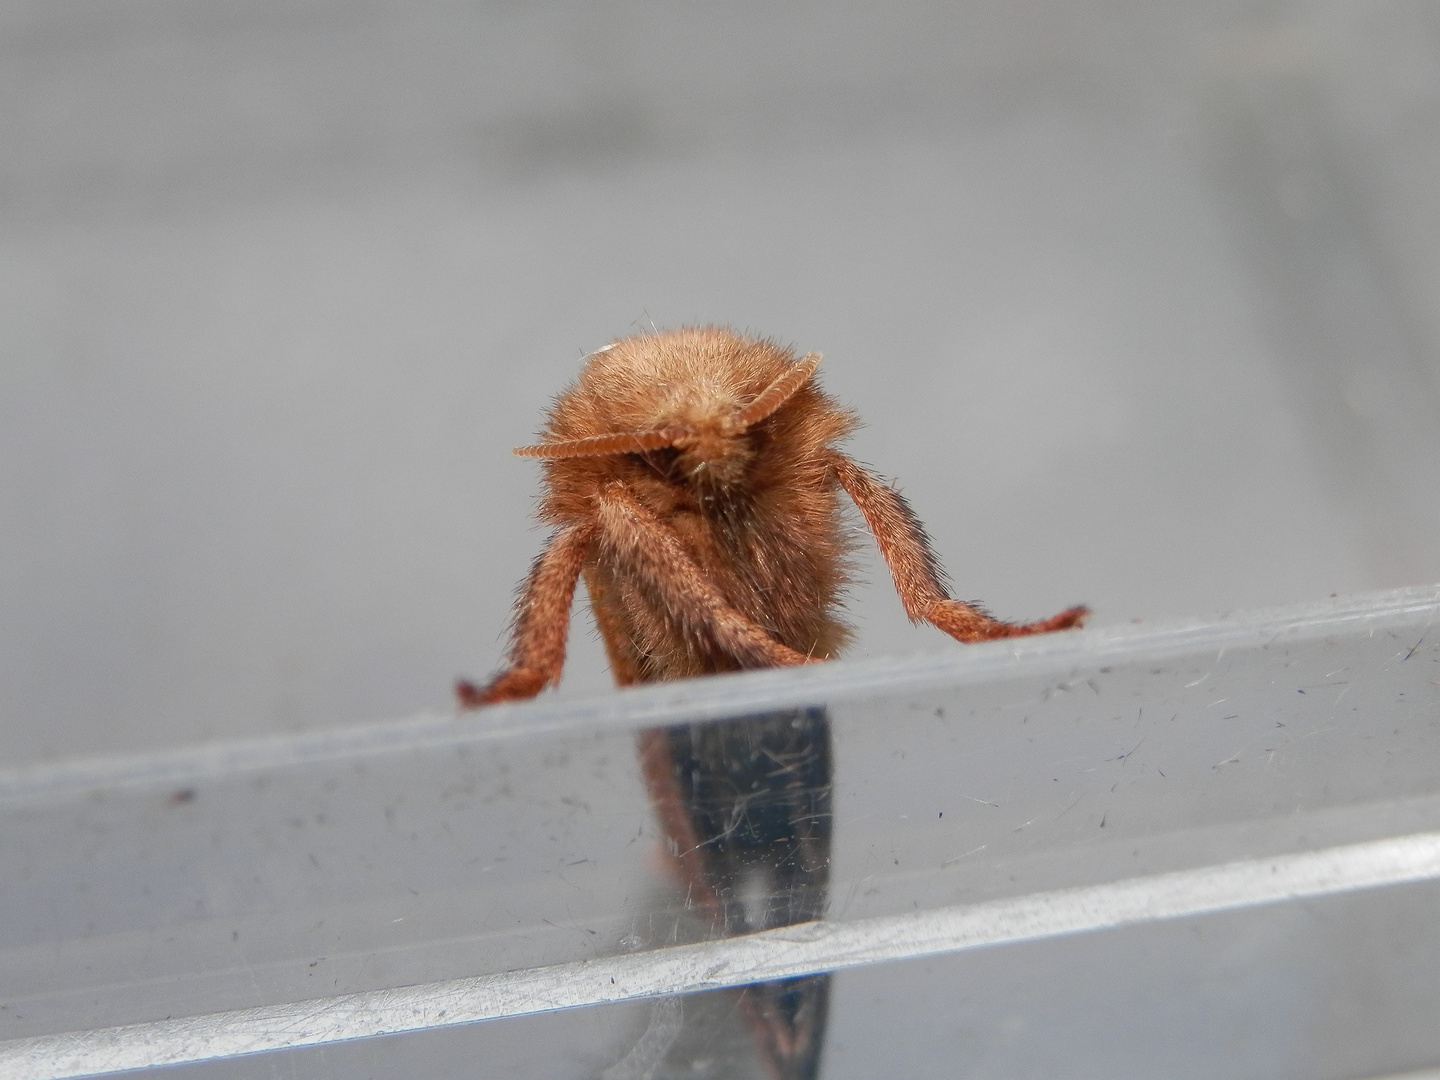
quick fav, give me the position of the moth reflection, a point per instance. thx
(745, 809)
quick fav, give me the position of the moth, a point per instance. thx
(692, 478)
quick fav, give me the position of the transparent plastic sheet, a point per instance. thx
(1207, 850)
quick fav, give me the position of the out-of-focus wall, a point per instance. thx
(1141, 304)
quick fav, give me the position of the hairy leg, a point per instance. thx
(917, 573)
(541, 623)
(623, 663)
(640, 546)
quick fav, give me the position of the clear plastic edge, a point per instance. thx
(783, 953)
(691, 699)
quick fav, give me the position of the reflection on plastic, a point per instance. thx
(667, 1017)
(745, 806)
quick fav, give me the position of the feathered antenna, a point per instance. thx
(776, 394)
(624, 442)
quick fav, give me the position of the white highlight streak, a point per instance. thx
(782, 953)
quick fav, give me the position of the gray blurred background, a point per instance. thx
(1141, 304)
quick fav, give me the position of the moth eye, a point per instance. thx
(661, 460)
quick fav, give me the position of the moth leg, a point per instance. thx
(917, 573)
(643, 547)
(623, 667)
(540, 624)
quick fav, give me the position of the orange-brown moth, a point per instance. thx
(691, 477)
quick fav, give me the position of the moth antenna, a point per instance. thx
(776, 394)
(623, 442)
